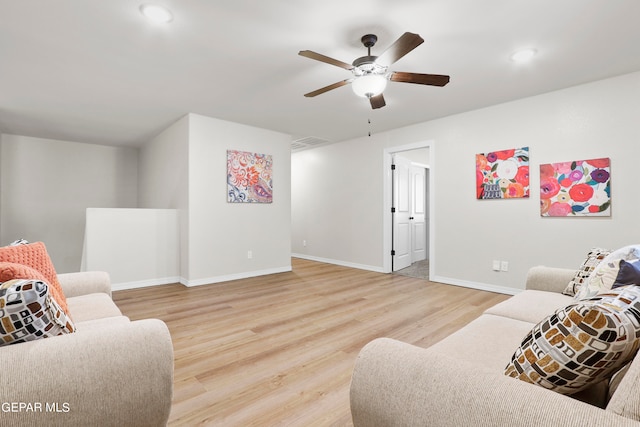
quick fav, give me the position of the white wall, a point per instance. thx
(221, 233)
(419, 155)
(163, 179)
(47, 185)
(340, 213)
(138, 247)
(185, 168)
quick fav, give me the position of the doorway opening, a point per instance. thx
(408, 217)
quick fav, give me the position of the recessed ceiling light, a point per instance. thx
(523, 55)
(155, 13)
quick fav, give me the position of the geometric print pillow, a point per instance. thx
(582, 343)
(27, 312)
(594, 257)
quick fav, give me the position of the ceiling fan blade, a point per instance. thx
(327, 88)
(377, 101)
(421, 79)
(325, 59)
(405, 44)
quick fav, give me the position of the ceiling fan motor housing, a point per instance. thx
(366, 65)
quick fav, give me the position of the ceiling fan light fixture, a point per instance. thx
(156, 14)
(369, 85)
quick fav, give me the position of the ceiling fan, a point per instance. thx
(370, 73)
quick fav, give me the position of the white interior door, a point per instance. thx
(402, 232)
(418, 217)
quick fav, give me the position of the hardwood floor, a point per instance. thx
(279, 350)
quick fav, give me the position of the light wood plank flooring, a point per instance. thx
(279, 350)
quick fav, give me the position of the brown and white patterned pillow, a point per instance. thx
(594, 257)
(27, 312)
(580, 344)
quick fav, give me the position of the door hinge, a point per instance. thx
(393, 210)
(393, 167)
(393, 252)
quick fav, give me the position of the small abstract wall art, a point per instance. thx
(578, 188)
(503, 174)
(249, 177)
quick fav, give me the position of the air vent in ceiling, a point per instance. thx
(307, 142)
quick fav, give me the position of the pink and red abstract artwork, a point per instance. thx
(577, 188)
(249, 177)
(503, 174)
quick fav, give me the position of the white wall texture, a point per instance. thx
(337, 189)
(138, 247)
(163, 179)
(185, 168)
(221, 233)
(46, 186)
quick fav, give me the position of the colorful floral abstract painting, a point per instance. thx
(503, 174)
(249, 177)
(578, 188)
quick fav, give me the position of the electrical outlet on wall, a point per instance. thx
(250, 255)
(304, 243)
(496, 265)
(504, 266)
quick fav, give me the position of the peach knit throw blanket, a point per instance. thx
(34, 256)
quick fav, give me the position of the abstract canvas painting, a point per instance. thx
(249, 177)
(503, 174)
(577, 188)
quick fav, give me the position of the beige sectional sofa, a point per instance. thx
(110, 372)
(460, 381)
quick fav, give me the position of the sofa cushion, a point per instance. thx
(580, 344)
(27, 312)
(35, 255)
(530, 306)
(487, 341)
(98, 324)
(92, 306)
(624, 397)
(594, 257)
(604, 275)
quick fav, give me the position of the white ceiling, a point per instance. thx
(95, 71)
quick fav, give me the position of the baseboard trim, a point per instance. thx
(236, 276)
(145, 283)
(476, 285)
(340, 263)
(245, 275)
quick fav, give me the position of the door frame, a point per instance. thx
(387, 242)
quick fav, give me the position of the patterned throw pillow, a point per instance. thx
(35, 255)
(594, 257)
(605, 274)
(27, 313)
(580, 344)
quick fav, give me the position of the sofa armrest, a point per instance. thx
(85, 282)
(117, 375)
(397, 384)
(550, 279)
